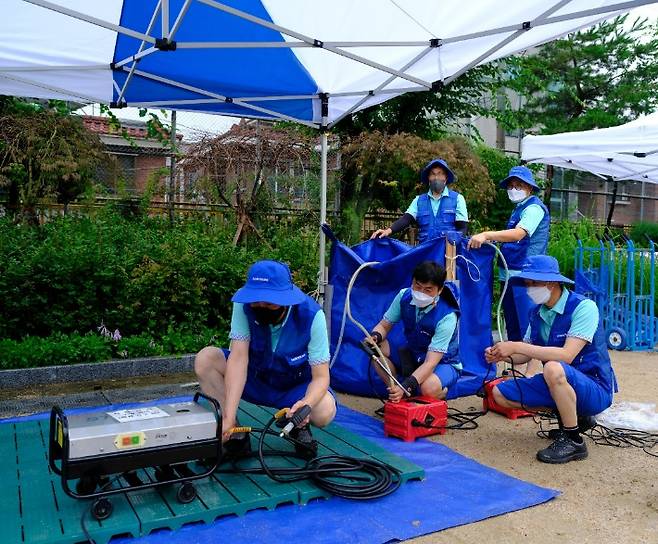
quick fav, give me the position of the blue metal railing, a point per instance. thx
(622, 282)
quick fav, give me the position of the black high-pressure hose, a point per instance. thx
(340, 475)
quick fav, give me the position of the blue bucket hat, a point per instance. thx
(424, 175)
(523, 173)
(540, 268)
(269, 281)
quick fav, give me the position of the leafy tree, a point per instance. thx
(429, 114)
(234, 166)
(600, 77)
(383, 170)
(45, 153)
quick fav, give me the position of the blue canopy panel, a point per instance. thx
(375, 289)
(232, 73)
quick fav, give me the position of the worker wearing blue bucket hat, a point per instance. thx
(437, 211)
(566, 336)
(526, 234)
(279, 355)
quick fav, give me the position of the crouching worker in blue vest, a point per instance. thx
(565, 335)
(279, 356)
(436, 212)
(429, 313)
(526, 234)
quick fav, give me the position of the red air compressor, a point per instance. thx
(488, 402)
(414, 417)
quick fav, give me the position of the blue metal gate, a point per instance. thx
(622, 282)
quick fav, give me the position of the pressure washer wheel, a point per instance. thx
(86, 485)
(616, 338)
(101, 509)
(186, 493)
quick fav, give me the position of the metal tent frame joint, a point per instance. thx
(436, 42)
(318, 43)
(165, 44)
(438, 85)
(527, 25)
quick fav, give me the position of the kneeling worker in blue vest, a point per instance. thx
(429, 313)
(566, 336)
(279, 356)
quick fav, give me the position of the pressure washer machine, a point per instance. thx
(104, 450)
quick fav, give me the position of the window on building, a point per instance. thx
(126, 164)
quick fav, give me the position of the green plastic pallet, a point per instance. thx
(35, 509)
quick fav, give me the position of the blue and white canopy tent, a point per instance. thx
(299, 60)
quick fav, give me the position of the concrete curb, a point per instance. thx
(119, 368)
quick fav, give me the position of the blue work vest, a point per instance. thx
(419, 334)
(516, 253)
(593, 360)
(287, 366)
(430, 225)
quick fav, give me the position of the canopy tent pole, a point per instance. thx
(324, 115)
(323, 209)
(324, 101)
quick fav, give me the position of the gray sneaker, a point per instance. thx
(562, 450)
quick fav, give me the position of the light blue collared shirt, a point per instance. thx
(584, 321)
(442, 332)
(460, 213)
(530, 219)
(318, 345)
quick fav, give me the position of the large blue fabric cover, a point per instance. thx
(456, 491)
(376, 287)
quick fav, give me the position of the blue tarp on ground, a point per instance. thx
(456, 491)
(376, 287)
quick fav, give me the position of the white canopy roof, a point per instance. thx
(305, 60)
(626, 152)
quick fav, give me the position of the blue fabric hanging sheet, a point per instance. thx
(374, 290)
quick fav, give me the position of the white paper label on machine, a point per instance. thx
(138, 414)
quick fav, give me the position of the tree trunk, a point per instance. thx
(548, 188)
(613, 202)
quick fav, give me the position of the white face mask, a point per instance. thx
(516, 195)
(539, 295)
(420, 299)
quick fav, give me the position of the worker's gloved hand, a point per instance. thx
(376, 336)
(301, 407)
(411, 385)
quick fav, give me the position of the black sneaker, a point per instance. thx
(305, 446)
(379, 412)
(585, 423)
(562, 450)
(238, 445)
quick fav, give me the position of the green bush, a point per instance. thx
(640, 231)
(139, 275)
(60, 349)
(564, 240)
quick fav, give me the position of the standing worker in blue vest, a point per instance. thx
(429, 313)
(279, 356)
(566, 336)
(436, 212)
(526, 235)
